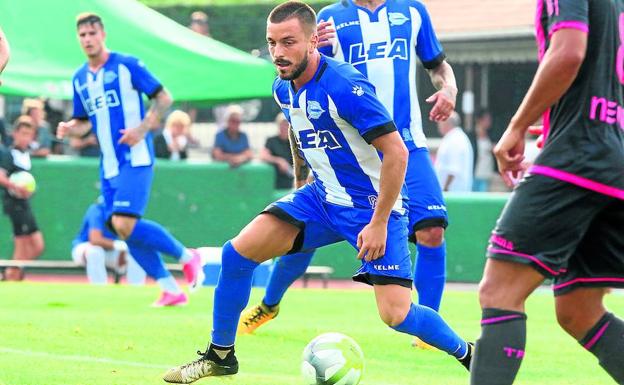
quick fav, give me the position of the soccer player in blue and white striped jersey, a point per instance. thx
(384, 40)
(347, 138)
(108, 98)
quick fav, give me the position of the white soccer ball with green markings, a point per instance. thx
(25, 180)
(332, 359)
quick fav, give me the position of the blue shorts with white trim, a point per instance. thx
(323, 223)
(426, 204)
(128, 193)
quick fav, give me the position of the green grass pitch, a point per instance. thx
(72, 334)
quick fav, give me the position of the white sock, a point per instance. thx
(186, 256)
(135, 275)
(169, 285)
(96, 265)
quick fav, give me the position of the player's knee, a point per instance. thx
(430, 236)
(393, 314)
(567, 318)
(488, 293)
(123, 226)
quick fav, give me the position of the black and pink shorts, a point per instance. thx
(568, 233)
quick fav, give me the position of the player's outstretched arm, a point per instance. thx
(73, 128)
(443, 79)
(372, 239)
(300, 167)
(554, 76)
(160, 103)
(5, 51)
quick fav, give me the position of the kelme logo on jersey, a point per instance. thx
(359, 54)
(372, 199)
(397, 18)
(314, 110)
(109, 99)
(359, 91)
(309, 139)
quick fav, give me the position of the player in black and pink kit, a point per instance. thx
(565, 219)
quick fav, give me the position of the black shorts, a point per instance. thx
(565, 232)
(21, 217)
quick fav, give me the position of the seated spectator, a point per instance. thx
(86, 145)
(277, 152)
(172, 143)
(231, 145)
(42, 145)
(97, 248)
(28, 240)
(199, 23)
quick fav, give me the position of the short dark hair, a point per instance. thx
(23, 121)
(295, 9)
(88, 18)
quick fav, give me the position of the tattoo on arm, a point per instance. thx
(161, 102)
(302, 171)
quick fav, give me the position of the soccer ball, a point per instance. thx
(24, 179)
(332, 359)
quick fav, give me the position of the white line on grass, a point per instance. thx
(67, 357)
(99, 360)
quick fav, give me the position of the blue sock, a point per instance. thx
(231, 294)
(430, 275)
(428, 325)
(154, 236)
(149, 260)
(286, 271)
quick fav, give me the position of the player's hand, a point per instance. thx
(443, 104)
(509, 152)
(62, 129)
(131, 136)
(372, 241)
(120, 245)
(19, 192)
(325, 31)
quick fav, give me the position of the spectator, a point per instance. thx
(97, 248)
(4, 137)
(277, 152)
(28, 240)
(484, 169)
(231, 145)
(86, 145)
(172, 143)
(199, 23)
(454, 161)
(42, 145)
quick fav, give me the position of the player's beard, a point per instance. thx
(298, 69)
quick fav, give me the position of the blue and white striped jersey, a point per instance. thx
(334, 117)
(384, 46)
(112, 99)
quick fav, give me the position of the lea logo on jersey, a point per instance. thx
(359, 54)
(397, 18)
(109, 99)
(309, 139)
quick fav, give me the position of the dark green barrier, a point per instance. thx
(202, 204)
(207, 204)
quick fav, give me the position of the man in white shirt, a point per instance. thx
(454, 161)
